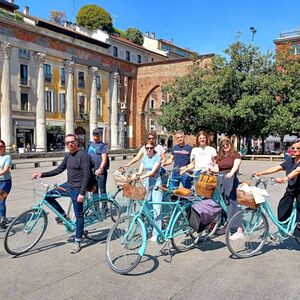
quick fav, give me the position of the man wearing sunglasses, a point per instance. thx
(159, 151)
(75, 187)
(291, 165)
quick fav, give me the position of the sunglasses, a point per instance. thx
(295, 148)
(225, 145)
(149, 148)
(70, 143)
(151, 138)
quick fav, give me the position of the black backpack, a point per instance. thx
(93, 184)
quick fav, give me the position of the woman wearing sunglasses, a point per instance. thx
(291, 166)
(5, 182)
(149, 173)
(228, 162)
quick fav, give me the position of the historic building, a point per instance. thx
(57, 80)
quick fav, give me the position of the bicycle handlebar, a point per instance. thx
(46, 185)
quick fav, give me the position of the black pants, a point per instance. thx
(285, 206)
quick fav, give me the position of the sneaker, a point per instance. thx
(237, 236)
(153, 238)
(76, 248)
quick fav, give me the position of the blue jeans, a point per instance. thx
(154, 196)
(184, 179)
(101, 180)
(5, 186)
(78, 207)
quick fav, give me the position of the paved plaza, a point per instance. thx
(207, 272)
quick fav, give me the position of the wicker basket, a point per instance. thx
(206, 185)
(134, 192)
(246, 199)
(121, 179)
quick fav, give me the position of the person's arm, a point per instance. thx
(155, 168)
(54, 172)
(5, 170)
(135, 159)
(86, 168)
(169, 161)
(163, 157)
(104, 158)
(139, 172)
(236, 164)
(269, 171)
(213, 168)
(189, 167)
(291, 175)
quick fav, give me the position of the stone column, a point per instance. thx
(6, 111)
(93, 101)
(114, 111)
(40, 104)
(69, 70)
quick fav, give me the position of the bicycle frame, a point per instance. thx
(163, 234)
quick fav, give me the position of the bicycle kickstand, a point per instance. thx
(166, 250)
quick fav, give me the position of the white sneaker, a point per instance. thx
(237, 236)
(153, 238)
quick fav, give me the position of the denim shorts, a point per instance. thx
(5, 185)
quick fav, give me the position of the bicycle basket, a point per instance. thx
(134, 192)
(121, 179)
(206, 185)
(245, 199)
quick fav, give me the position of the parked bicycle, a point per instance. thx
(256, 226)
(27, 229)
(127, 240)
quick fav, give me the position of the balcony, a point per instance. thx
(48, 78)
(81, 84)
(24, 81)
(289, 34)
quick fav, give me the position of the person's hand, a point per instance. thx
(80, 198)
(36, 175)
(229, 175)
(182, 170)
(280, 180)
(135, 176)
(98, 172)
(255, 173)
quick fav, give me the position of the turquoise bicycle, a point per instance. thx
(127, 240)
(27, 229)
(256, 227)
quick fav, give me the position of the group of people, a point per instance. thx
(204, 157)
(185, 159)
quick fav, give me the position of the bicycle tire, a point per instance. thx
(24, 222)
(255, 234)
(127, 258)
(183, 238)
(99, 213)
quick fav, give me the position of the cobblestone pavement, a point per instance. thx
(207, 272)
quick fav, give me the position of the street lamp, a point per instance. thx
(253, 30)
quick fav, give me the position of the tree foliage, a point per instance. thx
(93, 17)
(134, 35)
(244, 93)
(57, 17)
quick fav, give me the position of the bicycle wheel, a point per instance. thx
(255, 228)
(122, 201)
(98, 216)
(183, 235)
(25, 231)
(122, 247)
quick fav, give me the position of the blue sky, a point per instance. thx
(202, 25)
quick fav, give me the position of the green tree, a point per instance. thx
(93, 17)
(120, 33)
(134, 35)
(230, 96)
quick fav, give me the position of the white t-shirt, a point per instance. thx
(159, 149)
(203, 156)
